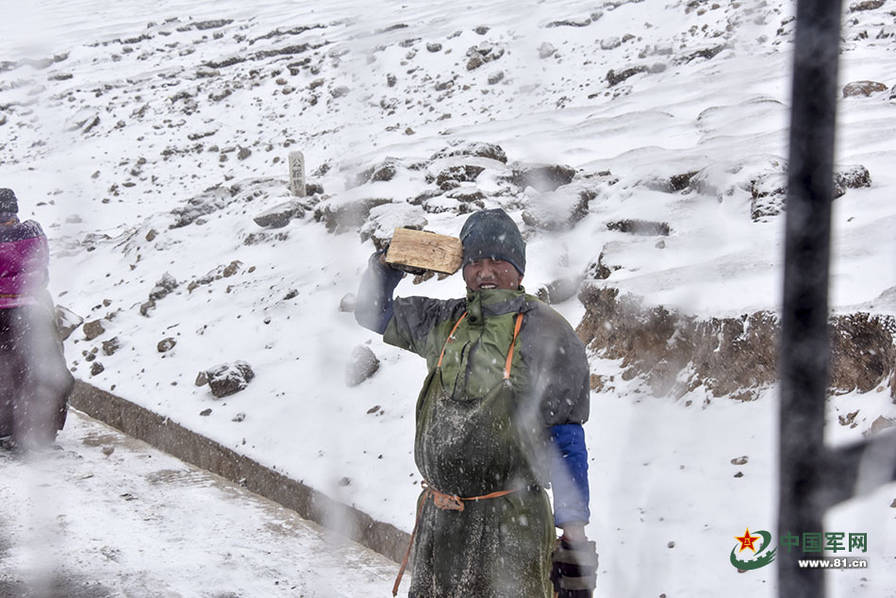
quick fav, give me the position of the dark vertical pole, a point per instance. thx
(804, 342)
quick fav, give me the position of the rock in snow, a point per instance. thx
(280, 215)
(93, 329)
(66, 321)
(362, 365)
(163, 287)
(229, 378)
(863, 88)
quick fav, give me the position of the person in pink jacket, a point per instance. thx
(34, 380)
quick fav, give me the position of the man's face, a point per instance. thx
(491, 274)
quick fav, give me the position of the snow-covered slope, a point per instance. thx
(146, 137)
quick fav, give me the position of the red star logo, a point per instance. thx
(746, 541)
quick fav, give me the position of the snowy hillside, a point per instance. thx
(641, 146)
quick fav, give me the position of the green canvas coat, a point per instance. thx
(478, 433)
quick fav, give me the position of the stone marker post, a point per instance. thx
(297, 173)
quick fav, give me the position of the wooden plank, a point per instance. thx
(420, 249)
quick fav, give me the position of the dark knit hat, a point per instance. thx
(8, 202)
(494, 235)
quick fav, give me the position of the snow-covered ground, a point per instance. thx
(143, 107)
(102, 515)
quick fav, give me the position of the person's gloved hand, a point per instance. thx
(408, 269)
(381, 257)
(574, 568)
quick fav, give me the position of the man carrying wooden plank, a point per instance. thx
(499, 418)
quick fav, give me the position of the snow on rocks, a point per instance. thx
(265, 237)
(453, 176)
(557, 210)
(880, 424)
(769, 190)
(730, 180)
(280, 215)
(216, 274)
(675, 353)
(579, 22)
(483, 53)
(67, 321)
(381, 172)
(615, 77)
(90, 355)
(111, 346)
(384, 219)
(313, 189)
(559, 290)
(599, 269)
(866, 5)
(220, 196)
(362, 365)
(84, 120)
(746, 114)
(229, 378)
(640, 227)
(163, 288)
(93, 329)
(863, 88)
(492, 151)
(850, 177)
(201, 378)
(670, 184)
(347, 303)
(542, 177)
(346, 212)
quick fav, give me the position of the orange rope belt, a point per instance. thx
(445, 502)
